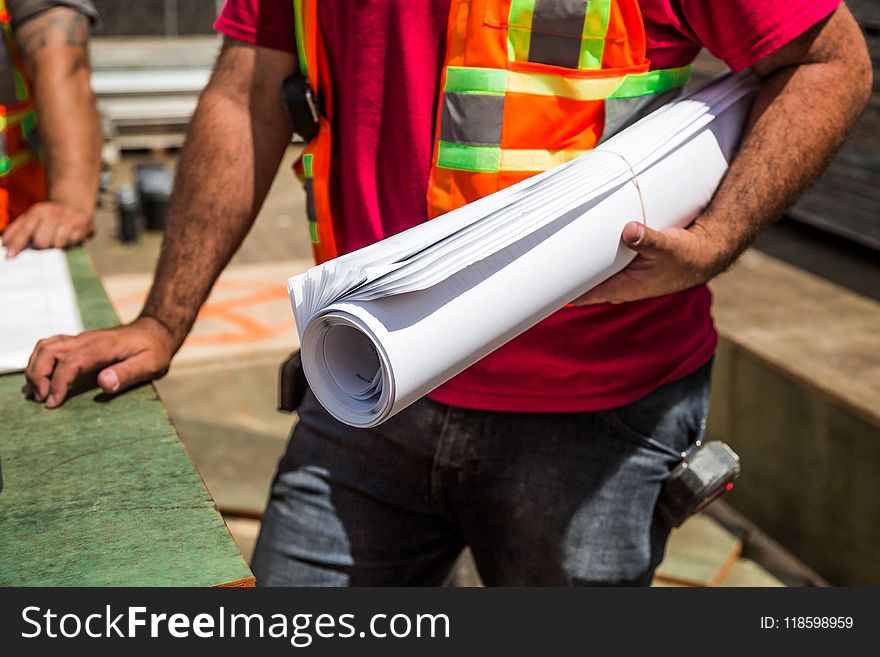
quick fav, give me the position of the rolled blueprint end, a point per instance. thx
(350, 371)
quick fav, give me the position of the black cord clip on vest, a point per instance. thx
(302, 104)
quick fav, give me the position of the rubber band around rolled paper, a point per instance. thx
(635, 181)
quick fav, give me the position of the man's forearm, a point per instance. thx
(236, 141)
(54, 49)
(813, 88)
(801, 115)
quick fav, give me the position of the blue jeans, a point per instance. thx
(547, 499)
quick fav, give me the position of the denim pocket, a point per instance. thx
(623, 430)
(668, 420)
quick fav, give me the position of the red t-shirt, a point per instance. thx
(386, 57)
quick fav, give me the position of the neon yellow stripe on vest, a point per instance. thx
(491, 159)
(8, 164)
(525, 159)
(496, 81)
(300, 27)
(519, 29)
(16, 117)
(595, 29)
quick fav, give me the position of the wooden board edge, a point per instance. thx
(244, 583)
(732, 558)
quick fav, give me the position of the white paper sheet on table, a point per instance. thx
(385, 325)
(37, 301)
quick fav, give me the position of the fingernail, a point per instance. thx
(112, 381)
(50, 401)
(640, 233)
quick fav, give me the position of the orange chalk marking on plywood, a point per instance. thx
(247, 329)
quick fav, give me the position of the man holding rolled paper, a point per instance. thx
(547, 456)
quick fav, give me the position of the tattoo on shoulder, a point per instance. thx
(56, 27)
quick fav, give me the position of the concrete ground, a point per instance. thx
(221, 390)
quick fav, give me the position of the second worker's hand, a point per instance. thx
(123, 356)
(667, 261)
(47, 225)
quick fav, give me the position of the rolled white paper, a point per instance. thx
(385, 325)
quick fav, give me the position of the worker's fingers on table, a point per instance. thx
(72, 227)
(62, 231)
(41, 364)
(124, 356)
(36, 227)
(47, 225)
(17, 234)
(141, 367)
(57, 362)
(65, 373)
(44, 232)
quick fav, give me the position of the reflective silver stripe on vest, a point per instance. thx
(8, 95)
(472, 119)
(557, 29)
(621, 113)
(311, 214)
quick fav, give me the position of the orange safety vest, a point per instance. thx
(22, 179)
(526, 85)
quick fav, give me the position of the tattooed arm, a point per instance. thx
(53, 48)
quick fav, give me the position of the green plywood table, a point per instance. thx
(102, 493)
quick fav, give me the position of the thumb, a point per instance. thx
(643, 240)
(126, 373)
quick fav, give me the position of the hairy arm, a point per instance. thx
(812, 91)
(54, 49)
(233, 150)
(236, 141)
